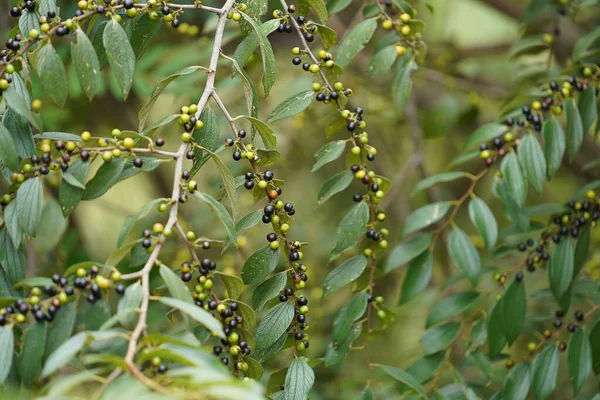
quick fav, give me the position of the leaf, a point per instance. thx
(417, 277)
(464, 255)
(402, 85)
(27, 22)
(329, 37)
(513, 173)
(485, 133)
(222, 214)
(19, 104)
(51, 71)
(299, 379)
(233, 284)
(514, 310)
(438, 178)
(545, 372)
(268, 58)
(349, 313)
(424, 217)
(12, 258)
(532, 158)
(581, 249)
(268, 290)
(20, 131)
(585, 41)
(247, 47)
(404, 377)
(129, 222)
(351, 227)
(247, 222)
(86, 64)
(196, 313)
(483, 218)
(318, 6)
(6, 351)
(382, 61)
(528, 45)
(70, 195)
(274, 325)
(228, 183)
(574, 128)
(249, 89)
(120, 55)
(61, 328)
(356, 40)
(595, 347)
(587, 108)
(8, 149)
(517, 383)
(144, 30)
(266, 133)
(451, 306)
(30, 361)
(207, 137)
(58, 136)
(259, 265)
(335, 6)
(11, 219)
(106, 177)
(291, 106)
(130, 300)
(29, 205)
(438, 338)
(407, 251)
(64, 353)
(560, 270)
(512, 209)
(328, 153)
(343, 274)
(495, 330)
(334, 185)
(579, 359)
(176, 287)
(162, 85)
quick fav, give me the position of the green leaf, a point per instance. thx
(274, 325)
(334, 185)
(513, 173)
(328, 153)
(233, 284)
(70, 195)
(417, 277)
(514, 310)
(355, 41)
(30, 361)
(51, 71)
(20, 131)
(532, 158)
(451, 306)
(495, 330)
(176, 287)
(579, 359)
(485, 133)
(130, 300)
(299, 379)
(129, 222)
(335, 6)
(292, 106)
(464, 255)
(587, 108)
(554, 144)
(407, 251)
(64, 353)
(268, 290)
(19, 104)
(335, 354)
(144, 30)
(582, 249)
(11, 219)
(259, 265)
(438, 178)
(585, 41)
(382, 61)
(196, 313)
(268, 58)
(512, 209)
(595, 347)
(145, 110)
(6, 351)
(545, 372)
(349, 313)
(250, 93)
(157, 125)
(424, 217)
(574, 128)
(8, 149)
(251, 42)
(529, 45)
(560, 270)
(58, 136)
(343, 274)
(318, 6)
(266, 133)
(404, 377)
(12, 258)
(228, 183)
(351, 227)
(329, 37)
(29, 205)
(86, 64)
(246, 222)
(438, 338)
(483, 218)
(517, 383)
(120, 55)
(222, 214)
(402, 85)
(106, 177)
(61, 328)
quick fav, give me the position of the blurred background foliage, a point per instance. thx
(467, 79)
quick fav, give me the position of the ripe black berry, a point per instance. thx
(296, 60)
(271, 237)
(15, 12)
(249, 185)
(579, 315)
(138, 162)
(237, 156)
(268, 175)
(160, 142)
(120, 289)
(241, 133)
(283, 298)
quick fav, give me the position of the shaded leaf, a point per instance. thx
(407, 251)
(343, 274)
(355, 41)
(424, 217)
